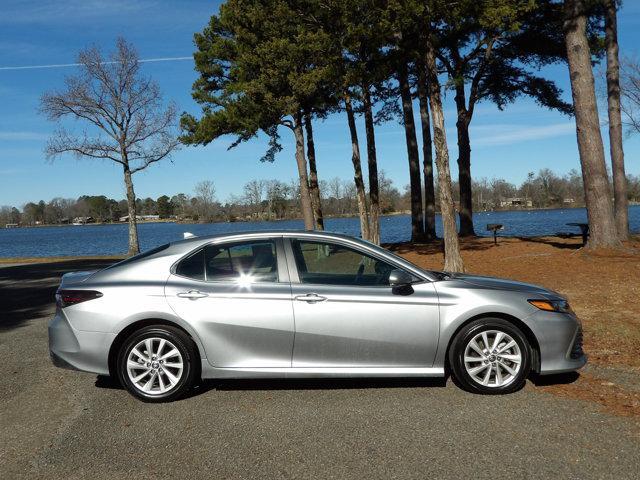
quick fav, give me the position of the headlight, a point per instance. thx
(561, 306)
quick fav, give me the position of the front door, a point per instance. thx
(238, 298)
(347, 315)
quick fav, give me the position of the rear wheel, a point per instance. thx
(156, 363)
(490, 356)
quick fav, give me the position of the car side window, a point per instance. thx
(192, 266)
(332, 264)
(245, 261)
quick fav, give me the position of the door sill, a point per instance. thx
(319, 372)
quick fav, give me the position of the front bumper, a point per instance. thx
(560, 341)
(77, 349)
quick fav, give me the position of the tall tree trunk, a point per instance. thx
(314, 187)
(134, 244)
(374, 190)
(305, 196)
(452, 258)
(357, 171)
(465, 211)
(417, 225)
(602, 227)
(427, 158)
(621, 204)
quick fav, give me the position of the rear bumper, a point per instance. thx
(60, 362)
(560, 341)
(77, 349)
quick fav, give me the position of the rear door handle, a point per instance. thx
(192, 294)
(310, 298)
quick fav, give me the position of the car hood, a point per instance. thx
(494, 283)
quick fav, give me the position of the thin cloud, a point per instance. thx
(16, 12)
(88, 12)
(67, 65)
(10, 136)
(497, 135)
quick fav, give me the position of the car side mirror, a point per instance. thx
(400, 282)
(400, 278)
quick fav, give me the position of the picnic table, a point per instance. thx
(584, 229)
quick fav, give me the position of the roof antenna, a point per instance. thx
(188, 235)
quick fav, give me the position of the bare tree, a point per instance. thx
(620, 202)
(452, 258)
(372, 166)
(276, 193)
(206, 196)
(417, 216)
(363, 211)
(602, 227)
(630, 93)
(303, 176)
(124, 115)
(427, 157)
(253, 193)
(314, 189)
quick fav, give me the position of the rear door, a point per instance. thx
(237, 296)
(347, 315)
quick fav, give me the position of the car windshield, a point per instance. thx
(435, 273)
(389, 253)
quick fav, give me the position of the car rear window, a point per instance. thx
(140, 256)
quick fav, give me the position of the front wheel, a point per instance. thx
(490, 356)
(156, 363)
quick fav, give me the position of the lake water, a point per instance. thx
(112, 239)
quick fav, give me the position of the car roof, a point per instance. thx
(175, 250)
(266, 233)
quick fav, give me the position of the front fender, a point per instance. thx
(460, 304)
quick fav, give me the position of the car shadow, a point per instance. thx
(27, 292)
(107, 382)
(553, 242)
(110, 383)
(437, 246)
(554, 379)
(322, 383)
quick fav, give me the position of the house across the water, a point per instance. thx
(516, 202)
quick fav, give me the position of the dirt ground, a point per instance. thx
(603, 289)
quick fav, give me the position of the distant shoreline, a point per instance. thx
(390, 214)
(15, 261)
(6, 262)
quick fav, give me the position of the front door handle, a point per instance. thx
(192, 294)
(310, 298)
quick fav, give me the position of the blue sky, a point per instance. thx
(507, 144)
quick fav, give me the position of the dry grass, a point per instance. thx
(612, 397)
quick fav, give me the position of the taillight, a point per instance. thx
(66, 298)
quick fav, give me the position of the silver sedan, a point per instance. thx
(303, 304)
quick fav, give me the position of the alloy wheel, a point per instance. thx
(155, 366)
(492, 358)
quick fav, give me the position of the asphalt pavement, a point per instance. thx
(62, 424)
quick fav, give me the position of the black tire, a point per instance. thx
(457, 354)
(181, 342)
